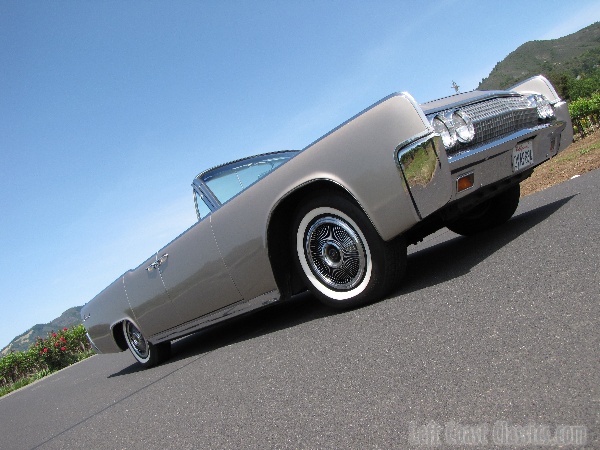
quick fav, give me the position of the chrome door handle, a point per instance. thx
(156, 264)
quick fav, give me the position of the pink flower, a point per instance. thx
(56, 344)
(53, 334)
(45, 350)
(63, 348)
(65, 329)
(63, 339)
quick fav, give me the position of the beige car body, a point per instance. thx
(236, 259)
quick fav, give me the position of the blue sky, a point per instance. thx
(109, 109)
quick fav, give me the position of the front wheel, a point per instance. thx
(340, 256)
(489, 214)
(146, 353)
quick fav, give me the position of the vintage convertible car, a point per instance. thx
(336, 217)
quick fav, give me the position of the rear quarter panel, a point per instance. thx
(102, 312)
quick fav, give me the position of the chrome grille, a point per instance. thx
(498, 117)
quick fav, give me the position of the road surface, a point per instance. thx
(491, 340)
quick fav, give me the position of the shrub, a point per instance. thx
(585, 113)
(60, 349)
(17, 365)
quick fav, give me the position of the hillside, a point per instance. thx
(557, 59)
(580, 157)
(22, 342)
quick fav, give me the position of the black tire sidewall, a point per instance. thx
(489, 214)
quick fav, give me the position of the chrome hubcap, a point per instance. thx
(137, 340)
(335, 253)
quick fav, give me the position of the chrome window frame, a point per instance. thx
(201, 188)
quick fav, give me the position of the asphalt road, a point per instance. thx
(488, 337)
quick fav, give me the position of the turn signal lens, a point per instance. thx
(465, 182)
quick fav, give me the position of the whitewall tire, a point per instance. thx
(339, 254)
(146, 353)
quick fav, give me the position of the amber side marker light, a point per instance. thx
(465, 182)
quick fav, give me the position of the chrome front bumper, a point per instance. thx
(493, 162)
(431, 175)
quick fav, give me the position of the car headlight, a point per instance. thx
(544, 108)
(465, 130)
(445, 129)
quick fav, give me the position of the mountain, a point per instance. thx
(571, 56)
(69, 318)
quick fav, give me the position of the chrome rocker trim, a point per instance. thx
(236, 309)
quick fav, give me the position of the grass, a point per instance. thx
(581, 152)
(580, 157)
(23, 382)
(586, 150)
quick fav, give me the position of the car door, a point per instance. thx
(147, 296)
(194, 274)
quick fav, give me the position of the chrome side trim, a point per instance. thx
(236, 309)
(92, 343)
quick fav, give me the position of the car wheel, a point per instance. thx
(341, 257)
(146, 353)
(489, 214)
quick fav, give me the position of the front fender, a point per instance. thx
(540, 85)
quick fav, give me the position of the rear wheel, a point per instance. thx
(489, 214)
(340, 256)
(146, 353)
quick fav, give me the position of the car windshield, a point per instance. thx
(229, 180)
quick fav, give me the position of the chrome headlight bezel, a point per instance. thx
(544, 107)
(445, 128)
(454, 126)
(463, 125)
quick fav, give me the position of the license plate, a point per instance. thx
(522, 155)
